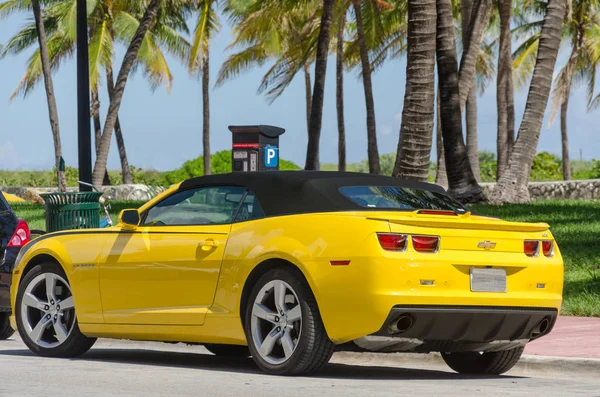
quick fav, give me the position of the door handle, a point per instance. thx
(209, 244)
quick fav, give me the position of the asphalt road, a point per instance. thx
(123, 368)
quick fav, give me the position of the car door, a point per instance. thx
(166, 271)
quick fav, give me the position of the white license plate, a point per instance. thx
(488, 280)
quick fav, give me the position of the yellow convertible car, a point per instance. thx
(288, 267)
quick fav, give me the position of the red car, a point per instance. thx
(14, 234)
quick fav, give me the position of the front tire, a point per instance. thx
(283, 326)
(45, 314)
(494, 363)
(6, 330)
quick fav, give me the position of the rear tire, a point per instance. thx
(48, 329)
(228, 350)
(494, 363)
(283, 326)
(6, 330)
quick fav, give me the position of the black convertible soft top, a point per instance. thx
(296, 192)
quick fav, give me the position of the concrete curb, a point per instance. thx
(529, 365)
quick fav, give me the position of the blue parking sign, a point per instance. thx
(271, 156)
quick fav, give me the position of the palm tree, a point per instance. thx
(206, 26)
(414, 144)
(145, 25)
(110, 22)
(373, 152)
(289, 43)
(52, 108)
(461, 181)
(504, 89)
(512, 186)
(582, 33)
(316, 112)
(45, 70)
(339, 92)
(471, 105)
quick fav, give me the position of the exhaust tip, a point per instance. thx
(401, 324)
(541, 328)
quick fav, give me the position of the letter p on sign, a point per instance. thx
(271, 156)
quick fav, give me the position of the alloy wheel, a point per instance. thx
(48, 310)
(276, 323)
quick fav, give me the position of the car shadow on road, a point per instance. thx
(209, 362)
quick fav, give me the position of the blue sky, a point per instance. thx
(162, 130)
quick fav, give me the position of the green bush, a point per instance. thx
(595, 170)
(546, 167)
(220, 163)
(488, 165)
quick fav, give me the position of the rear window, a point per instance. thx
(399, 198)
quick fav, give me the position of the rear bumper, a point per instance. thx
(459, 328)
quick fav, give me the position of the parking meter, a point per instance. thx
(255, 148)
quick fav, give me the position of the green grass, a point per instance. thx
(575, 225)
(576, 228)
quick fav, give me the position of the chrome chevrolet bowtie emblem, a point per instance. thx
(487, 245)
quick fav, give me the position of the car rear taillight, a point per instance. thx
(392, 241)
(22, 235)
(531, 248)
(426, 243)
(548, 248)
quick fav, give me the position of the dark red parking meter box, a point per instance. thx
(255, 148)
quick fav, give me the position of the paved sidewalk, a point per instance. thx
(571, 337)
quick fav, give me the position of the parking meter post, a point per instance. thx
(255, 148)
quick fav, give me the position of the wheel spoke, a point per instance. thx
(261, 311)
(36, 333)
(32, 301)
(267, 345)
(50, 285)
(66, 304)
(294, 314)
(288, 344)
(60, 331)
(279, 290)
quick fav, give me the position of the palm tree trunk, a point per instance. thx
(206, 110)
(471, 105)
(565, 139)
(307, 92)
(441, 178)
(472, 140)
(461, 181)
(115, 104)
(512, 186)
(471, 46)
(98, 127)
(339, 94)
(50, 98)
(504, 90)
(125, 170)
(316, 112)
(564, 107)
(372, 149)
(414, 144)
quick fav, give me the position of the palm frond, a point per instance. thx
(206, 25)
(524, 59)
(100, 52)
(238, 63)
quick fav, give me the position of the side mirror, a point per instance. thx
(130, 219)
